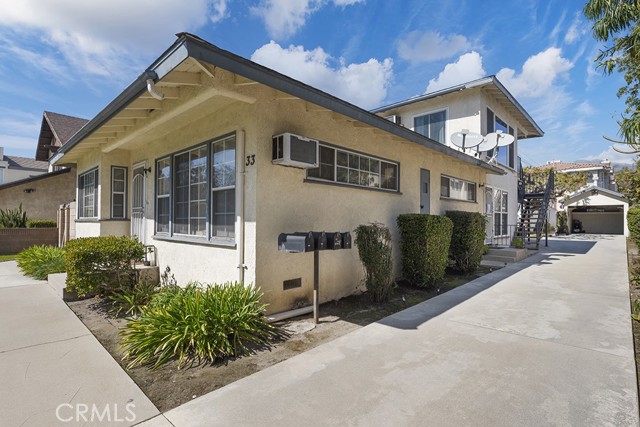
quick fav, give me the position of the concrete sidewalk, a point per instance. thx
(543, 342)
(50, 361)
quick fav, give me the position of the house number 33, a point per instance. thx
(251, 160)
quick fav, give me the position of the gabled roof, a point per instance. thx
(189, 46)
(492, 86)
(585, 192)
(16, 162)
(56, 129)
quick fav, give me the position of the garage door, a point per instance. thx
(601, 219)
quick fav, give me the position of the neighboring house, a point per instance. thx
(15, 168)
(481, 106)
(600, 210)
(55, 130)
(186, 160)
(598, 174)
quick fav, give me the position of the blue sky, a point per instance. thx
(73, 57)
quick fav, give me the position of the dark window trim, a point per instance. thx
(126, 192)
(155, 196)
(475, 193)
(96, 203)
(309, 179)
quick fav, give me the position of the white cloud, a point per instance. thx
(585, 108)
(363, 84)
(97, 37)
(18, 145)
(467, 68)
(615, 156)
(538, 74)
(431, 46)
(576, 30)
(284, 18)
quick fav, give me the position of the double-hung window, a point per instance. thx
(88, 194)
(195, 192)
(500, 212)
(431, 125)
(354, 169)
(118, 192)
(457, 189)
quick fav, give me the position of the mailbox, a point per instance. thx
(320, 240)
(296, 242)
(346, 240)
(334, 240)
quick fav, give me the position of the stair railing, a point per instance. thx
(544, 209)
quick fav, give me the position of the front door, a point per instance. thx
(425, 191)
(488, 212)
(137, 203)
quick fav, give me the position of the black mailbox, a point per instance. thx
(320, 240)
(346, 240)
(296, 242)
(334, 240)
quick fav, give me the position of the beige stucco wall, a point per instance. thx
(42, 203)
(11, 175)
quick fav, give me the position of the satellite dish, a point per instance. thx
(487, 144)
(466, 139)
(500, 139)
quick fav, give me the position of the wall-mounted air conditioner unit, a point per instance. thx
(395, 119)
(294, 150)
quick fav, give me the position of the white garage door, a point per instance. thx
(601, 222)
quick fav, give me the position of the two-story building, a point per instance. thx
(209, 157)
(481, 106)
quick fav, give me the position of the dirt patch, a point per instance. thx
(168, 386)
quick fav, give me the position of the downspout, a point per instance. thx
(153, 91)
(240, 200)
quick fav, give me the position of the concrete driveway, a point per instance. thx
(53, 371)
(543, 342)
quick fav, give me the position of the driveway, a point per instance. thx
(53, 371)
(543, 342)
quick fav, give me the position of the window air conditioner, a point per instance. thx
(296, 151)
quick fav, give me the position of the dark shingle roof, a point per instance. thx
(55, 131)
(16, 162)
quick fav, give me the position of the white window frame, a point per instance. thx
(503, 213)
(427, 113)
(123, 193)
(82, 196)
(463, 181)
(213, 189)
(369, 157)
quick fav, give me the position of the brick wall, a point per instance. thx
(13, 240)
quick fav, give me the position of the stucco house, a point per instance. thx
(600, 210)
(16, 168)
(598, 174)
(481, 106)
(209, 157)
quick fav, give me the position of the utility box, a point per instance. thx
(320, 240)
(334, 241)
(346, 240)
(296, 242)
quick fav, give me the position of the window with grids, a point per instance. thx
(431, 125)
(88, 194)
(118, 192)
(195, 191)
(500, 213)
(458, 189)
(346, 167)
(163, 194)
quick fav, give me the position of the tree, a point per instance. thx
(615, 22)
(564, 182)
(628, 182)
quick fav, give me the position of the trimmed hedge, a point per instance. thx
(424, 247)
(633, 222)
(42, 223)
(374, 248)
(98, 264)
(467, 240)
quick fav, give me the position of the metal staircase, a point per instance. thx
(534, 207)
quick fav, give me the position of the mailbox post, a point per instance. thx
(314, 241)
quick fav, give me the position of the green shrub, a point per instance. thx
(101, 264)
(467, 240)
(561, 222)
(424, 247)
(42, 223)
(517, 242)
(13, 218)
(197, 323)
(635, 310)
(633, 222)
(40, 261)
(131, 300)
(374, 248)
